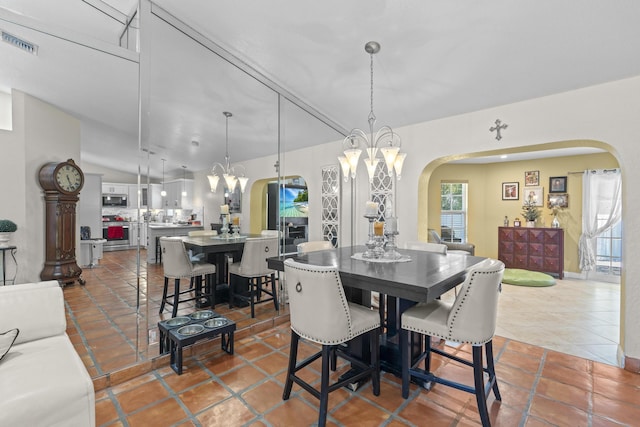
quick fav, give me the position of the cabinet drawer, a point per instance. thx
(536, 249)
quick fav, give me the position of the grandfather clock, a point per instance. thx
(61, 182)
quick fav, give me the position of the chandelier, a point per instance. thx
(231, 175)
(385, 141)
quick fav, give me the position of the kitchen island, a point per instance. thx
(161, 229)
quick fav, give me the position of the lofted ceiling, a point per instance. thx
(438, 59)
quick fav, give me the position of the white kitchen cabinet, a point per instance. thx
(113, 188)
(174, 198)
(150, 196)
(133, 234)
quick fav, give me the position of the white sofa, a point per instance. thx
(43, 381)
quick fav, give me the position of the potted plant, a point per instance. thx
(530, 212)
(6, 228)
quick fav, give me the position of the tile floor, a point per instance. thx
(539, 387)
(542, 381)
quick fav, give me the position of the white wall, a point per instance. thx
(608, 113)
(41, 134)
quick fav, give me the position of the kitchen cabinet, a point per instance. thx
(133, 234)
(157, 230)
(174, 198)
(535, 249)
(150, 196)
(113, 188)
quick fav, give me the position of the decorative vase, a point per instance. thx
(5, 236)
(531, 224)
(555, 223)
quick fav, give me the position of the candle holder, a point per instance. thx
(371, 243)
(390, 248)
(225, 226)
(236, 230)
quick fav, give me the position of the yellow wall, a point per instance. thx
(487, 209)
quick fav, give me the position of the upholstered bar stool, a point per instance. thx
(253, 267)
(470, 319)
(314, 245)
(319, 312)
(176, 265)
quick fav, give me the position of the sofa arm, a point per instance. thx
(467, 247)
(36, 309)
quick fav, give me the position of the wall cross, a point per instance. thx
(498, 127)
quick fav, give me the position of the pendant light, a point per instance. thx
(385, 140)
(163, 193)
(184, 181)
(231, 175)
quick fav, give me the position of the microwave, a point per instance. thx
(114, 200)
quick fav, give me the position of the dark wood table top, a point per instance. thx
(212, 244)
(427, 276)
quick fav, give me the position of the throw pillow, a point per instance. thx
(6, 341)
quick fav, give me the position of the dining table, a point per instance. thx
(218, 250)
(419, 276)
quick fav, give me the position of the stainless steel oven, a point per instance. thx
(116, 235)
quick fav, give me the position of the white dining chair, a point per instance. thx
(253, 267)
(426, 246)
(320, 313)
(314, 245)
(469, 319)
(177, 265)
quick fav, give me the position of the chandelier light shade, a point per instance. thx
(231, 176)
(384, 140)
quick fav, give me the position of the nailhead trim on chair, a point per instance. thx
(448, 336)
(345, 307)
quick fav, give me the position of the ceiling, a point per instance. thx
(438, 59)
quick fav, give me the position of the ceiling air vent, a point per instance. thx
(19, 43)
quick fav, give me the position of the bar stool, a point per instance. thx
(253, 266)
(470, 319)
(320, 312)
(178, 266)
(314, 245)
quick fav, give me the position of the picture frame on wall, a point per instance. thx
(558, 184)
(531, 178)
(234, 200)
(535, 194)
(510, 190)
(558, 200)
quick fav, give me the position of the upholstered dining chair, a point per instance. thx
(470, 319)
(253, 267)
(426, 246)
(314, 245)
(320, 313)
(177, 265)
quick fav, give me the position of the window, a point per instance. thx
(609, 249)
(453, 211)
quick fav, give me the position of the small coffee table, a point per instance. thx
(175, 338)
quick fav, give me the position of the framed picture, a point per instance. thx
(558, 184)
(531, 178)
(558, 201)
(533, 194)
(516, 222)
(510, 190)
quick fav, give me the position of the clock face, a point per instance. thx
(69, 178)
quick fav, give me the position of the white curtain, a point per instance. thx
(601, 200)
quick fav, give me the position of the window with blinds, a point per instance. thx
(453, 211)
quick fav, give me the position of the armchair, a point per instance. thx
(434, 237)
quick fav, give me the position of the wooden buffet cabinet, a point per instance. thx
(535, 249)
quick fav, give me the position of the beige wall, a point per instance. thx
(487, 209)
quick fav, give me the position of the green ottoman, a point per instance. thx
(519, 277)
